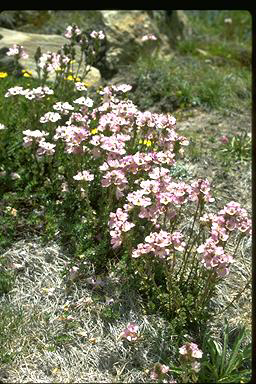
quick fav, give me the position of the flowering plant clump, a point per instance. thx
(107, 166)
(128, 155)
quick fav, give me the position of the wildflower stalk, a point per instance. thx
(238, 243)
(175, 220)
(186, 253)
(36, 159)
(79, 64)
(235, 299)
(208, 289)
(192, 264)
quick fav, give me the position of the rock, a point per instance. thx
(49, 22)
(23, 19)
(124, 31)
(177, 26)
(30, 42)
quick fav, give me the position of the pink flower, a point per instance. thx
(224, 139)
(214, 257)
(18, 51)
(71, 31)
(149, 37)
(130, 333)
(190, 351)
(200, 189)
(158, 371)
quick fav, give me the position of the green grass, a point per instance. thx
(211, 69)
(187, 82)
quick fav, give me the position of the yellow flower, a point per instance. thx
(26, 73)
(146, 142)
(72, 61)
(3, 75)
(71, 77)
(94, 131)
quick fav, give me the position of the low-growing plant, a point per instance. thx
(237, 147)
(226, 361)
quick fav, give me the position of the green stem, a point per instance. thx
(193, 258)
(209, 285)
(186, 253)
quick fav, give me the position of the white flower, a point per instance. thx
(84, 101)
(85, 175)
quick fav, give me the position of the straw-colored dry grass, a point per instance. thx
(85, 348)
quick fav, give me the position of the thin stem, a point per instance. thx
(235, 299)
(209, 285)
(193, 258)
(186, 253)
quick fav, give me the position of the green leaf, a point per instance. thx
(235, 350)
(225, 346)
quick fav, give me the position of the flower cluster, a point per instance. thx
(52, 61)
(148, 37)
(200, 190)
(38, 137)
(141, 180)
(130, 333)
(158, 371)
(190, 351)
(50, 117)
(63, 108)
(118, 223)
(84, 175)
(97, 35)
(232, 217)
(215, 257)
(84, 101)
(72, 31)
(30, 94)
(161, 244)
(17, 51)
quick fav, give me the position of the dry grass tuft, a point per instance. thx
(64, 335)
